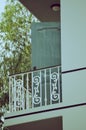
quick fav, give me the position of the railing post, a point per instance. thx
(14, 92)
(32, 90)
(10, 104)
(40, 88)
(45, 100)
(59, 84)
(22, 93)
(50, 85)
(27, 93)
(1, 119)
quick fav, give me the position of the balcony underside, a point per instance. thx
(42, 9)
(49, 124)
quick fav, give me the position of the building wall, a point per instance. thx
(73, 52)
(73, 33)
(73, 118)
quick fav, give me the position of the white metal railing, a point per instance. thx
(35, 89)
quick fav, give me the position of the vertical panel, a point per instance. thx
(46, 47)
(73, 34)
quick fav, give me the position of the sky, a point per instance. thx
(2, 4)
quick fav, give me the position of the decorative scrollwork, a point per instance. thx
(36, 97)
(36, 100)
(54, 87)
(19, 82)
(19, 92)
(54, 76)
(36, 80)
(55, 96)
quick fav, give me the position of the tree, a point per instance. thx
(15, 53)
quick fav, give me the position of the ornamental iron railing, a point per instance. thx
(35, 89)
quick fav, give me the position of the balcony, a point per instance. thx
(34, 89)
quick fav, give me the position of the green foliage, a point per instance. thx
(15, 46)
